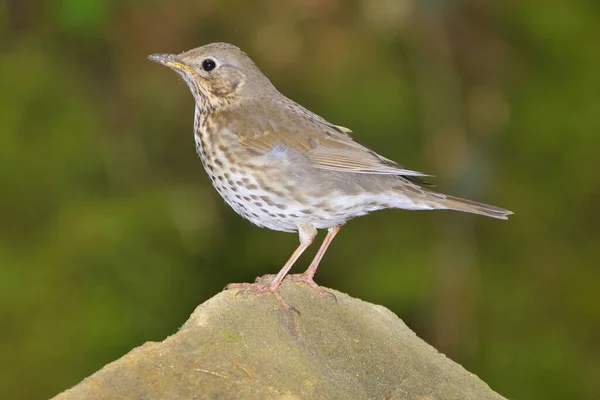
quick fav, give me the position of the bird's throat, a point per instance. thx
(202, 136)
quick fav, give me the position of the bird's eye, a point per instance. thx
(208, 64)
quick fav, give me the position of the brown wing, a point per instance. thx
(326, 146)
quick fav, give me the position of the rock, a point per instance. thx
(245, 347)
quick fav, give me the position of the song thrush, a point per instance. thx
(285, 168)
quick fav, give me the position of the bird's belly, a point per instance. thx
(276, 206)
(259, 205)
(283, 207)
(277, 197)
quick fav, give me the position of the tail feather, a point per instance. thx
(458, 204)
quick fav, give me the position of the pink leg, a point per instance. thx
(307, 234)
(309, 274)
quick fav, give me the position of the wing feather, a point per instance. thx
(327, 146)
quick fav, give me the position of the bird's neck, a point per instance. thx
(202, 135)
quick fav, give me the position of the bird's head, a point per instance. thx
(217, 73)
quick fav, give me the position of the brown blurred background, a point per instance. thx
(111, 234)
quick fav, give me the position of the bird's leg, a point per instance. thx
(307, 233)
(308, 275)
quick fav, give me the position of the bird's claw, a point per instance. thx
(261, 287)
(310, 281)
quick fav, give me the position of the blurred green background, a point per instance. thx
(111, 234)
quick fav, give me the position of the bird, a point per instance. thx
(285, 168)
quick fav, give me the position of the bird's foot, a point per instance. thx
(306, 278)
(262, 285)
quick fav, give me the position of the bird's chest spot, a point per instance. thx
(250, 194)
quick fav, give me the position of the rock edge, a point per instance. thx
(245, 347)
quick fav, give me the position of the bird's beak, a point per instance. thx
(171, 61)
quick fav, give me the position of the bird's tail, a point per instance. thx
(458, 204)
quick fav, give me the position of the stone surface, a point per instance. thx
(245, 347)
